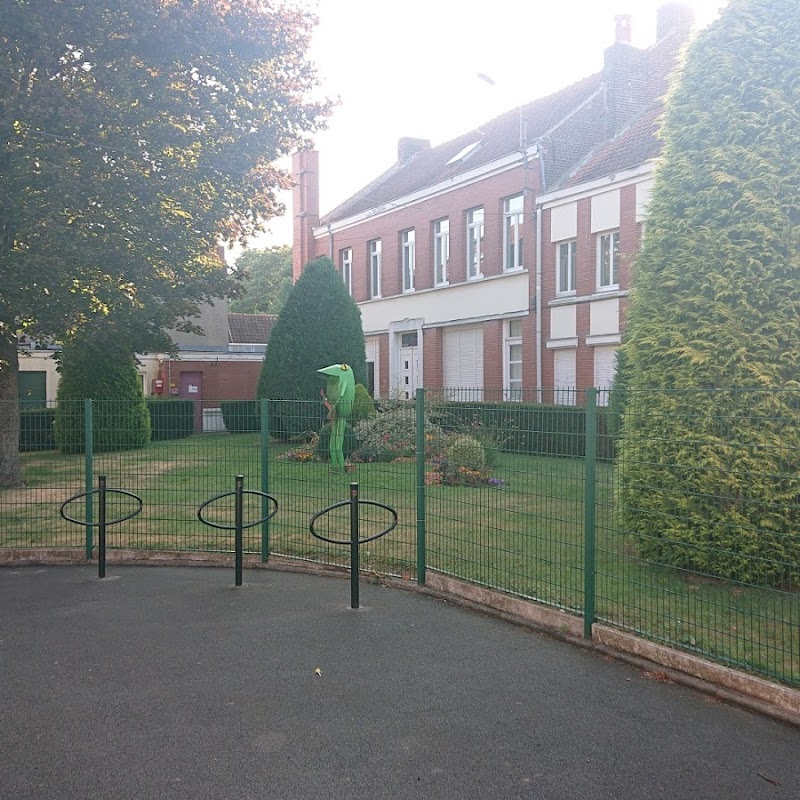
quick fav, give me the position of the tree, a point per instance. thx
(266, 280)
(711, 433)
(94, 366)
(133, 138)
(320, 325)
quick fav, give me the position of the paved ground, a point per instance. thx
(167, 682)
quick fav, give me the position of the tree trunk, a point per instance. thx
(10, 466)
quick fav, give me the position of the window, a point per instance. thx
(608, 260)
(375, 268)
(512, 233)
(441, 250)
(475, 243)
(346, 263)
(566, 267)
(512, 356)
(407, 240)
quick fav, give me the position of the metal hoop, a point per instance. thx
(108, 521)
(270, 498)
(349, 503)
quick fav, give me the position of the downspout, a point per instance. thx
(330, 242)
(538, 284)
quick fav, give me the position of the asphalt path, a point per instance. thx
(169, 682)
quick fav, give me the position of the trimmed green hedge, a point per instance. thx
(527, 428)
(36, 429)
(241, 416)
(170, 418)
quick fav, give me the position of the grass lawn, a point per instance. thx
(525, 537)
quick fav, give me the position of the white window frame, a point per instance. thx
(475, 221)
(346, 262)
(512, 338)
(608, 249)
(408, 258)
(570, 247)
(441, 251)
(512, 232)
(374, 254)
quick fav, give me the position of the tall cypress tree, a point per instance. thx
(320, 325)
(710, 457)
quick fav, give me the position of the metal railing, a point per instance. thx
(678, 521)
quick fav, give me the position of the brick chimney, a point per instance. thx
(305, 206)
(625, 77)
(408, 146)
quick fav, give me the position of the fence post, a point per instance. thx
(88, 453)
(264, 477)
(421, 554)
(589, 499)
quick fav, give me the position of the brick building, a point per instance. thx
(496, 265)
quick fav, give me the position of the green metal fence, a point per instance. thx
(686, 538)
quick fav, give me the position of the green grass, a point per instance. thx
(526, 537)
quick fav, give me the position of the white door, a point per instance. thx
(409, 364)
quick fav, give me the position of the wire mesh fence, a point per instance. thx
(676, 520)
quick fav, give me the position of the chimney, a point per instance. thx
(674, 18)
(408, 146)
(625, 78)
(305, 206)
(624, 31)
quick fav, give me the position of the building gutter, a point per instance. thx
(538, 278)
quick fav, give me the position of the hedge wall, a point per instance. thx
(241, 416)
(170, 418)
(36, 429)
(527, 428)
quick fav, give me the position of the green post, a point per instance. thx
(421, 487)
(88, 451)
(589, 499)
(264, 477)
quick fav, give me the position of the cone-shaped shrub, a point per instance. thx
(710, 457)
(320, 325)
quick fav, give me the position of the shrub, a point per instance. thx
(320, 325)
(241, 416)
(363, 405)
(94, 367)
(715, 307)
(170, 418)
(392, 434)
(466, 451)
(36, 429)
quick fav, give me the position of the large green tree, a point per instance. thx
(266, 280)
(133, 138)
(320, 325)
(711, 433)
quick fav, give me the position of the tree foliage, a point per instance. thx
(320, 325)
(133, 138)
(266, 280)
(711, 430)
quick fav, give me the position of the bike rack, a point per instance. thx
(238, 525)
(354, 541)
(102, 522)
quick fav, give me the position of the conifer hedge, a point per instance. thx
(710, 451)
(320, 325)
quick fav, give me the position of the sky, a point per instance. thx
(411, 68)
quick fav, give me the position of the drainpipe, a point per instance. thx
(538, 302)
(539, 249)
(330, 243)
